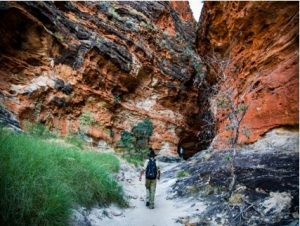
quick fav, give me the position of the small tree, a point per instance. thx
(142, 132)
(135, 143)
(127, 141)
(235, 112)
(143, 129)
(232, 106)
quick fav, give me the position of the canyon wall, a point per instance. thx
(116, 63)
(251, 49)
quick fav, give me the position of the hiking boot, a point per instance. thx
(151, 207)
(147, 203)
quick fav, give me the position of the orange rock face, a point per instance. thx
(120, 62)
(259, 42)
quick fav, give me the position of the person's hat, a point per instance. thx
(151, 153)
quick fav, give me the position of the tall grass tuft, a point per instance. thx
(39, 130)
(75, 140)
(40, 182)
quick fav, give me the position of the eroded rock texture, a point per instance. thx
(119, 61)
(122, 62)
(255, 44)
(266, 191)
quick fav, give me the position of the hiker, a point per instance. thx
(180, 151)
(152, 172)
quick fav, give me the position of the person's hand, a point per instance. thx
(158, 178)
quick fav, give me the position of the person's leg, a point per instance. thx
(147, 192)
(152, 193)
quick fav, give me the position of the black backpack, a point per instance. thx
(151, 170)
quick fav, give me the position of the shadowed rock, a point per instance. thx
(267, 182)
(7, 119)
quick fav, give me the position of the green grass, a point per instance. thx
(75, 140)
(39, 130)
(40, 182)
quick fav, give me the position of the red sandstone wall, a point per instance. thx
(125, 61)
(260, 41)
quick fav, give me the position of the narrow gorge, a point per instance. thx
(224, 89)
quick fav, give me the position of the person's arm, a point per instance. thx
(141, 174)
(143, 170)
(158, 172)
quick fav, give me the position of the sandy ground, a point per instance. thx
(165, 213)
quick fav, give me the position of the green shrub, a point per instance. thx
(86, 119)
(182, 174)
(135, 143)
(136, 157)
(143, 129)
(127, 140)
(41, 182)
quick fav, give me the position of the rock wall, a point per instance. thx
(255, 46)
(120, 62)
(8, 120)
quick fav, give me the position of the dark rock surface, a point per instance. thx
(60, 85)
(125, 19)
(7, 119)
(168, 159)
(267, 182)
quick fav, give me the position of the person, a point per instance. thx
(180, 151)
(152, 174)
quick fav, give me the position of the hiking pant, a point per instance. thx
(150, 191)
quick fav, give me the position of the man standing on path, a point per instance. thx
(152, 170)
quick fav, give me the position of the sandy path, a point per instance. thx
(165, 212)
